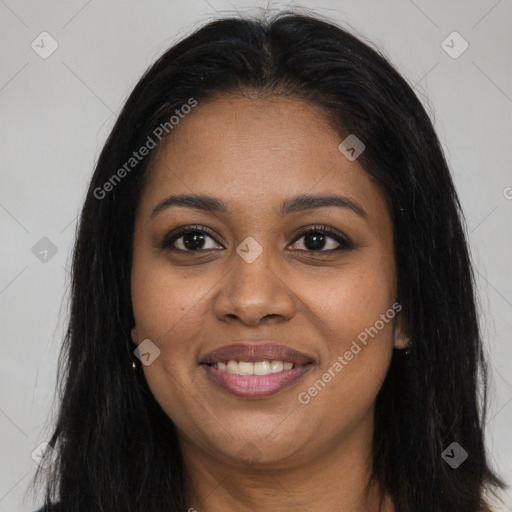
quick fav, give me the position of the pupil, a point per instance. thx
(195, 238)
(315, 237)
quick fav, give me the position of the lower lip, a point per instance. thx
(255, 386)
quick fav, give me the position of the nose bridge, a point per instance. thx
(251, 269)
(253, 289)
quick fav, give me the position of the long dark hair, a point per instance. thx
(116, 448)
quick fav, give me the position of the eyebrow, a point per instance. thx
(294, 204)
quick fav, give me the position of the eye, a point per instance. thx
(316, 240)
(189, 239)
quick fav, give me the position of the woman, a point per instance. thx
(272, 304)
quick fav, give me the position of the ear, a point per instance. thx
(135, 338)
(401, 337)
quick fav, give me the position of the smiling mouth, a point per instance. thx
(265, 367)
(260, 379)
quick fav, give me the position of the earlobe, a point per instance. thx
(401, 340)
(134, 336)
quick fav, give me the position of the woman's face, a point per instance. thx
(262, 284)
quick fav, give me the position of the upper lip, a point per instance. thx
(253, 352)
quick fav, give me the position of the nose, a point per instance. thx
(254, 292)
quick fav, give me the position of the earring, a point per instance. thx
(408, 349)
(133, 333)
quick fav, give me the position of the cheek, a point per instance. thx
(163, 302)
(167, 311)
(352, 301)
(354, 312)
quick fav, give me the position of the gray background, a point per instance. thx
(57, 112)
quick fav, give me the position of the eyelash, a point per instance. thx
(344, 243)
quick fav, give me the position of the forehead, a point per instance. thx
(257, 150)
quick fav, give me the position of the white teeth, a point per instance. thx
(277, 366)
(245, 368)
(262, 368)
(265, 367)
(232, 366)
